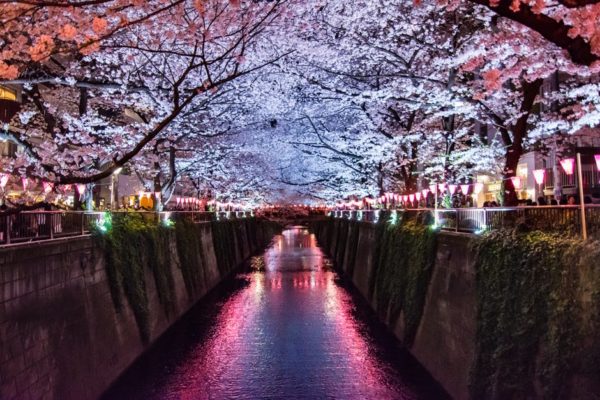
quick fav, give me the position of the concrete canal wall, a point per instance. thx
(437, 313)
(61, 335)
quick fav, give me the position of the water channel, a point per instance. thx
(287, 327)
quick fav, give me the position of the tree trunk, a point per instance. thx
(514, 149)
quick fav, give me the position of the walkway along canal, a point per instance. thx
(286, 327)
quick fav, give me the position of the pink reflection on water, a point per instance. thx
(289, 334)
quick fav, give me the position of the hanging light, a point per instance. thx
(539, 175)
(568, 165)
(516, 181)
(3, 180)
(442, 187)
(47, 187)
(464, 189)
(477, 188)
(433, 188)
(80, 188)
(411, 197)
(25, 183)
(452, 189)
(418, 196)
(597, 158)
(425, 192)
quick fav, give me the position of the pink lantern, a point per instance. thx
(568, 165)
(442, 187)
(597, 158)
(405, 198)
(3, 180)
(478, 188)
(80, 188)
(464, 189)
(47, 187)
(539, 175)
(452, 189)
(425, 192)
(516, 181)
(433, 188)
(178, 200)
(418, 196)
(411, 197)
(25, 183)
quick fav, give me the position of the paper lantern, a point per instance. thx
(3, 180)
(464, 189)
(25, 183)
(539, 175)
(47, 187)
(568, 165)
(597, 158)
(452, 189)
(516, 181)
(411, 197)
(477, 188)
(433, 188)
(425, 192)
(418, 196)
(80, 188)
(442, 187)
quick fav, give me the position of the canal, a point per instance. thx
(286, 327)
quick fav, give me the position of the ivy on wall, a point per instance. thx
(133, 243)
(538, 313)
(403, 272)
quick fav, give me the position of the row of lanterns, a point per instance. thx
(539, 175)
(47, 186)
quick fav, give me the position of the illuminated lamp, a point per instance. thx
(597, 158)
(25, 183)
(418, 196)
(47, 187)
(539, 175)
(516, 181)
(568, 165)
(411, 197)
(433, 188)
(442, 187)
(464, 189)
(425, 192)
(80, 188)
(452, 189)
(3, 180)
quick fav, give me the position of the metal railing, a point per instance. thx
(565, 219)
(30, 226)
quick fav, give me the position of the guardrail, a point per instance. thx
(565, 219)
(30, 226)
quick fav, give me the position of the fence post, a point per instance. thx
(51, 220)
(581, 200)
(8, 219)
(82, 223)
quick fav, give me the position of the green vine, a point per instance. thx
(132, 243)
(532, 322)
(125, 263)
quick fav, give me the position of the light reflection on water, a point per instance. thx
(291, 332)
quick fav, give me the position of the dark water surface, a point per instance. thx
(292, 331)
